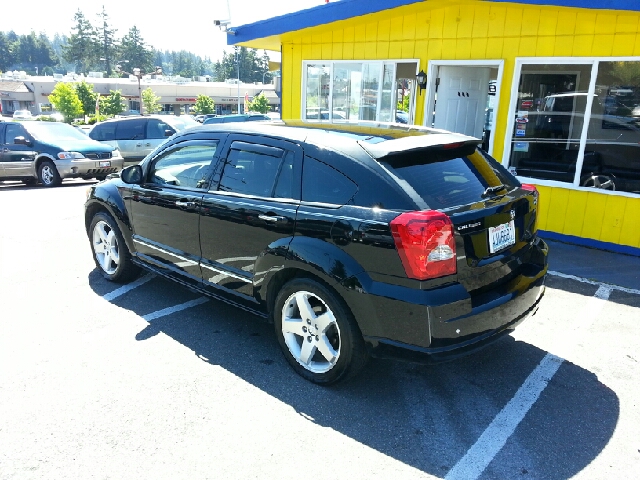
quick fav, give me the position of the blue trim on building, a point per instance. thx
(345, 9)
(587, 242)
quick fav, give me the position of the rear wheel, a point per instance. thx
(109, 249)
(48, 174)
(599, 181)
(317, 333)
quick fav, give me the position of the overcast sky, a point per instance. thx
(178, 25)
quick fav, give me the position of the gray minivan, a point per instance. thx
(136, 137)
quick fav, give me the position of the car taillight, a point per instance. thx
(425, 243)
(530, 188)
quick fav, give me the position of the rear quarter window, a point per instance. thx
(324, 184)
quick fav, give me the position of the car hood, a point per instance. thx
(83, 146)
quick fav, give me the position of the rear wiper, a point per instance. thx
(492, 190)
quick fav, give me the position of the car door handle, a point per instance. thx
(272, 218)
(5, 149)
(138, 144)
(185, 204)
(147, 144)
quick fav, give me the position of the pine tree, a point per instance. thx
(81, 49)
(107, 41)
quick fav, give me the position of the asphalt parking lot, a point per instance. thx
(150, 380)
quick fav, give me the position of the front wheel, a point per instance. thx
(109, 249)
(48, 174)
(317, 333)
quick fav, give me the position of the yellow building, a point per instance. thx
(552, 87)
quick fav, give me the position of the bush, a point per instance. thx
(46, 118)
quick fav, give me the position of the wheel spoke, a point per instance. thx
(324, 321)
(293, 325)
(102, 232)
(105, 261)
(307, 351)
(306, 312)
(327, 351)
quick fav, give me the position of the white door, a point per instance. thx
(462, 99)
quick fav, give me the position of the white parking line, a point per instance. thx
(480, 455)
(127, 288)
(593, 282)
(176, 308)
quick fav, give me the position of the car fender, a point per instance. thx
(105, 197)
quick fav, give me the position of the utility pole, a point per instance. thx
(238, 62)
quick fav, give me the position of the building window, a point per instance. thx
(569, 127)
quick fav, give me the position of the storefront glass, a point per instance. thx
(317, 92)
(347, 81)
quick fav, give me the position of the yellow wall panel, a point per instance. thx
(436, 24)
(338, 36)
(548, 22)
(408, 49)
(358, 50)
(421, 49)
(623, 43)
(585, 22)
(558, 201)
(382, 49)
(582, 45)
(612, 220)
(510, 47)
(422, 25)
(395, 49)
(337, 51)
(478, 48)
(528, 46)
(594, 213)
(360, 33)
(574, 215)
(347, 51)
(513, 22)
(605, 23)
(296, 90)
(396, 28)
(545, 46)
(370, 51)
(463, 49)
(327, 51)
(626, 23)
(434, 51)
(327, 37)
(496, 21)
(316, 50)
(451, 20)
(409, 27)
(530, 21)
(465, 25)
(564, 46)
(566, 22)
(306, 52)
(371, 33)
(481, 21)
(630, 233)
(543, 206)
(494, 49)
(316, 39)
(602, 45)
(349, 34)
(449, 48)
(384, 26)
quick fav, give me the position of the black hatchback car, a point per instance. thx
(353, 239)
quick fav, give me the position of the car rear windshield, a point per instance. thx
(443, 178)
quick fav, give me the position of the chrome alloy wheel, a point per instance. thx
(311, 332)
(105, 246)
(47, 174)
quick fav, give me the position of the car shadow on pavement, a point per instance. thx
(424, 416)
(8, 185)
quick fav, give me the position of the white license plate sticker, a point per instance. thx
(106, 163)
(501, 236)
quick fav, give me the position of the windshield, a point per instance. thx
(182, 122)
(49, 132)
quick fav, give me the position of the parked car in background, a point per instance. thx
(136, 137)
(22, 115)
(354, 240)
(251, 117)
(48, 152)
(203, 117)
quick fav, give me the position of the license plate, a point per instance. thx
(106, 163)
(501, 236)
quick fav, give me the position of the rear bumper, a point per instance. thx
(430, 326)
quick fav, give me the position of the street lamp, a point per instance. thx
(138, 74)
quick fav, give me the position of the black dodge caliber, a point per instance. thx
(354, 240)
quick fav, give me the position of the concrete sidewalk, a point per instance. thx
(598, 265)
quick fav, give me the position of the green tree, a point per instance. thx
(260, 103)
(204, 105)
(65, 99)
(150, 101)
(82, 47)
(134, 49)
(113, 104)
(107, 42)
(87, 97)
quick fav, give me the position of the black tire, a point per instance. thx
(341, 338)
(110, 252)
(29, 181)
(48, 174)
(100, 178)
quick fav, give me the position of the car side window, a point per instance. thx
(14, 131)
(251, 169)
(157, 128)
(185, 167)
(324, 184)
(131, 129)
(286, 186)
(103, 132)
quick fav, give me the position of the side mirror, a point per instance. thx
(22, 141)
(132, 175)
(168, 133)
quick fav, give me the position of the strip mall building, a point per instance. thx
(552, 87)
